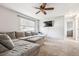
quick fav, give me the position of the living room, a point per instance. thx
(39, 29)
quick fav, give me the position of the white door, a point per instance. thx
(70, 28)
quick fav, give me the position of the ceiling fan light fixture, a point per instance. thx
(42, 8)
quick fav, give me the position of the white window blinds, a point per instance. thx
(27, 25)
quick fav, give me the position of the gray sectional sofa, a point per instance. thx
(20, 43)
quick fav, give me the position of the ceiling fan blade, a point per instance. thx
(37, 12)
(48, 8)
(43, 5)
(43, 11)
(36, 7)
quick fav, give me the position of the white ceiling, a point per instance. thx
(28, 9)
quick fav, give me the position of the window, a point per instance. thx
(26, 24)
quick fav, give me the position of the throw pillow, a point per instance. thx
(19, 34)
(6, 41)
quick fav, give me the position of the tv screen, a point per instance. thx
(48, 23)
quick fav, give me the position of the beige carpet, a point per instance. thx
(60, 48)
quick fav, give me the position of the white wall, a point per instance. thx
(8, 20)
(77, 27)
(54, 32)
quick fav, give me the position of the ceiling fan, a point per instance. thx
(43, 7)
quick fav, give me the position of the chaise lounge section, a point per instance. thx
(22, 47)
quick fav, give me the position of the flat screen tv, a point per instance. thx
(48, 23)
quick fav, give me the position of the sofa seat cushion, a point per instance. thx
(22, 48)
(34, 36)
(39, 35)
(23, 38)
(6, 41)
(15, 40)
(36, 39)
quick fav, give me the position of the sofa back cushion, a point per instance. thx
(28, 34)
(2, 32)
(34, 33)
(10, 34)
(19, 34)
(6, 41)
